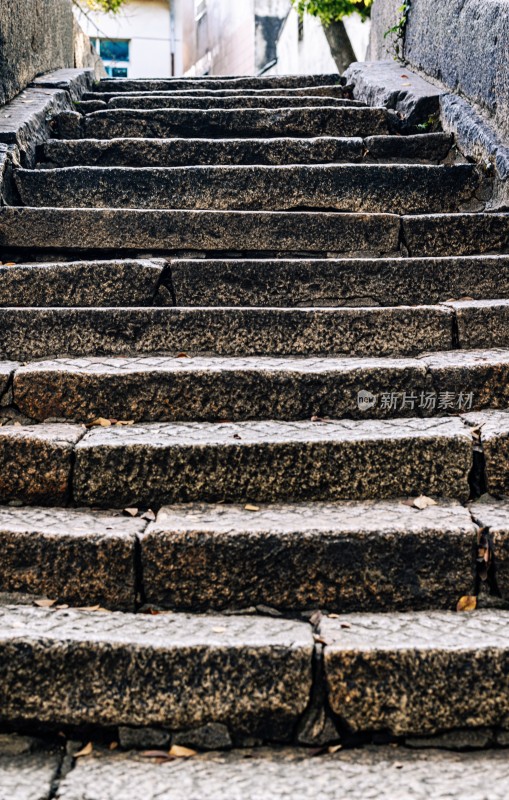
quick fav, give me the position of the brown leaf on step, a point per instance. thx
(100, 422)
(315, 617)
(236, 436)
(320, 419)
(250, 507)
(62, 607)
(149, 515)
(177, 751)
(334, 748)
(423, 502)
(345, 625)
(85, 751)
(333, 616)
(319, 639)
(123, 423)
(182, 355)
(131, 512)
(113, 746)
(88, 608)
(10, 264)
(404, 76)
(44, 603)
(467, 603)
(162, 754)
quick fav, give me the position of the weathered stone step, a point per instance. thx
(377, 772)
(176, 672)
(418, 673)
(238, 123)
(36, 463)
(378, 556)
(340, 282)
(492, 515)
(43, 332)
(82, 283)
(158, 463)
(169, 100)
(156, 230)
(456, 234)
(227, 82)
(400, 189)
(202, 388)
(194, 152)
(309, 91)
(492, 429)
(81, 557)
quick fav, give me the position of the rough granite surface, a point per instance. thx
(379, 668)
(493, 428)
(379, 555)
(173, 671)
(268, 461)
(493, 515)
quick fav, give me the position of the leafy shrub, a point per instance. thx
(333, 10)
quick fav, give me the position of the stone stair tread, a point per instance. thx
(337, 282)
(201, 387)
(158, 463)
(81, 283)
(403, 189)
(311, 91)
(458, 234)
(350, 556)
(223, 82)
(374, 772)
(106, 229)
(411, 652)
(347, 556)
(78, 556)
(432, 147)
(149, 101)
(244, 122)
(184, 669)
(33, 333)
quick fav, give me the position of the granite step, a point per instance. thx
(227, 82)
(344, 557)
(338, 282)
(79, 230)
(212, 388)
(423, 148)
(177, 672)
(331, 90)
(400, 189)
(170, 100)
(83, 283)
(377, 772)
(254, 232)
(372, 556)
(34, 333)
(237, 123)
(408, 673)
(158, 463)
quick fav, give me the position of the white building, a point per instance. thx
(139, 41)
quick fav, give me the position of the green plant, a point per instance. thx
(330, 11)
(109, 6)
(397, 32)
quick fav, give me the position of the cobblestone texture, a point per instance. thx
(158, 463)
(380, 668)
(345, 556)
(170, 671)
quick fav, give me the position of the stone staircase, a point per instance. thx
(265, 328)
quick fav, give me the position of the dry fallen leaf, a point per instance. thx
(333, 616)
(113, 746)
(44, 603)
(62, 606)
(100, 422)
(423, 502)
(467, 603)
(334, 748)
(181, 752)
(85, 751)
(149, 515)
(123, 423)
(89, 608)
(250, 507)
(131, 512)
(159, 754)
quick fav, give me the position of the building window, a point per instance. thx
(115, 54)
(200, 9)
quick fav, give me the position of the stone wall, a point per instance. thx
(36, 36)
(464, 44)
